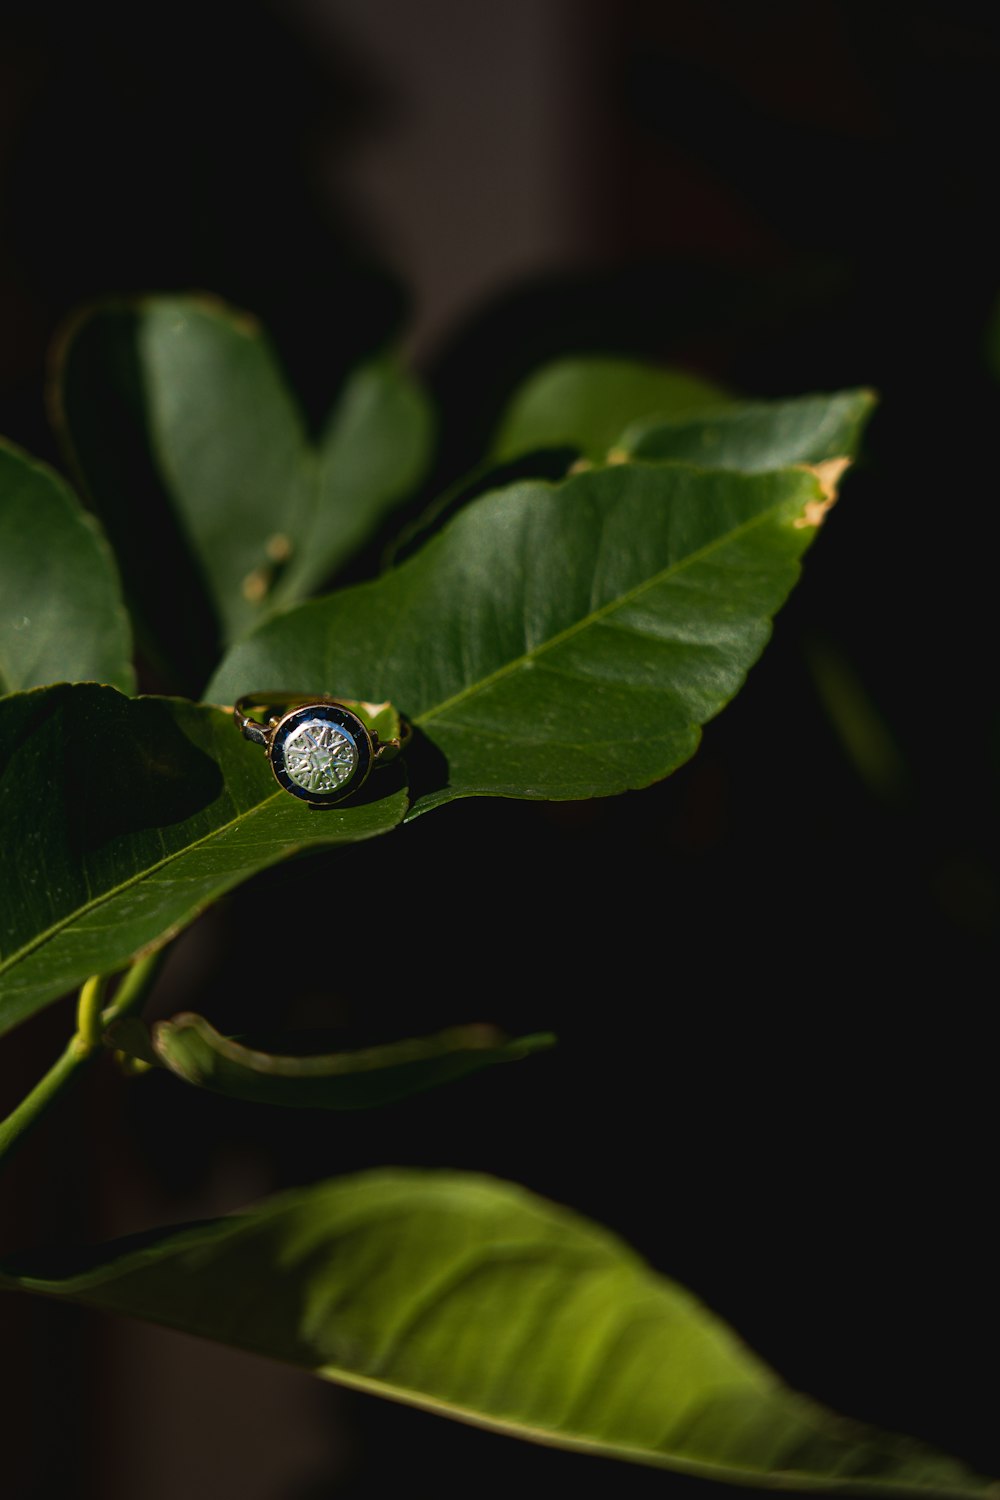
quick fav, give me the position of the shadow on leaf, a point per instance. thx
(129, 767)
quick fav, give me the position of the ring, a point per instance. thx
(321, 749)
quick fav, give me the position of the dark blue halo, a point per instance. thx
(349, 725)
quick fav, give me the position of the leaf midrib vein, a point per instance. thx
(146, 873)
(528, 657)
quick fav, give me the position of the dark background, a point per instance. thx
(772, 974)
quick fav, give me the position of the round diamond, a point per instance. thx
(320, 757)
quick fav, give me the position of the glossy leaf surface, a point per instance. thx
(558, 641)
(755, 436)
(192, 1049)
(123, 818)
(587, 402)
(477, 1300)
(206, 427)
(61, 613)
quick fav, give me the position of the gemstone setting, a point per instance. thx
(321, 753)
(320, 757)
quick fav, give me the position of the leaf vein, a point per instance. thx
(528, 658)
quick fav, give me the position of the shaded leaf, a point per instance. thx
(210, 431)
(558, 641)
(757, 435)
(99, 411)
(477, 1300)
(864, 735)
(191, 1048)
(61, 613)
(123, 818)
(587, 402)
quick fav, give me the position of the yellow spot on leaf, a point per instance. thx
(580, 467)
(256, 584)
(618, 455)
(829, 474)
(279, 547)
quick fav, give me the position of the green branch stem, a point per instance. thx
(92, 1021)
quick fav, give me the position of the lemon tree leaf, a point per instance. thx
(123, 818)
(558, 641)
(179, 418)
(587, 402)
(754, 436)
(191, 1048)
(477, 1300)
(61, 613)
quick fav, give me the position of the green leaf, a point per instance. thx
(209, 429)
(123, 818)
(755, 436)
(558, 641)
(61, 613)
(587, 402)
(231, 445)
(373, 452)
(99, 411)
(193, 1050)
(477, 1300)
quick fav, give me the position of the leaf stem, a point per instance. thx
(34, 1105)
(136, 985)
(83, 1047)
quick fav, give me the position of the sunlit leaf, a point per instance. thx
(587, 402)
(558, 641)
(754, 436)
(477, 1300)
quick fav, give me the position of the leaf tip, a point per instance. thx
(211, 305)
(829, 474)
(182, 1062)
